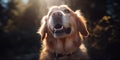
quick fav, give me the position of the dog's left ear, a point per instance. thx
(81, 24)
(43, 29)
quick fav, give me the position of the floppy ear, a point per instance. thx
(43, 29)
(81, 24)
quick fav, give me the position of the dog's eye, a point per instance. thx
(66, 11)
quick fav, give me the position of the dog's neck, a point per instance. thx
(65, 45)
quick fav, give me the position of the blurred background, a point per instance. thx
(20, 20)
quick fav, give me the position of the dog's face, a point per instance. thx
(62, 22)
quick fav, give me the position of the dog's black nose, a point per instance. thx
(57, 14)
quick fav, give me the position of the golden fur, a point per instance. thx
(66, 43)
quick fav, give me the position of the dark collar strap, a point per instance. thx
(57, 55)
(61, 55)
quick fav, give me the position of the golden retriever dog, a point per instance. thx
(62, 31)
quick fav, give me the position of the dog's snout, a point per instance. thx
(57, 14)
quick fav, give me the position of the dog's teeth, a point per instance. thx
(59, 28)
(55, 29)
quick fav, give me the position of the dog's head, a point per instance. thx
(62, 22)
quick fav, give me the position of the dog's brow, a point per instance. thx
(52, 9)
(63, 8)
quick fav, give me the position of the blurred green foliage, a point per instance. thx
(18, 26)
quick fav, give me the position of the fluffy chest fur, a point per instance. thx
(65, 45)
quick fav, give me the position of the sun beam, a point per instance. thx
(54, 2)
(46, 4)
(25, 1)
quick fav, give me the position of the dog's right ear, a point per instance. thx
(43, 29)
(81, 24)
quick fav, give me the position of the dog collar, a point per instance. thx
(58, 55)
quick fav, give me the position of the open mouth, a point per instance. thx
(60, 29)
